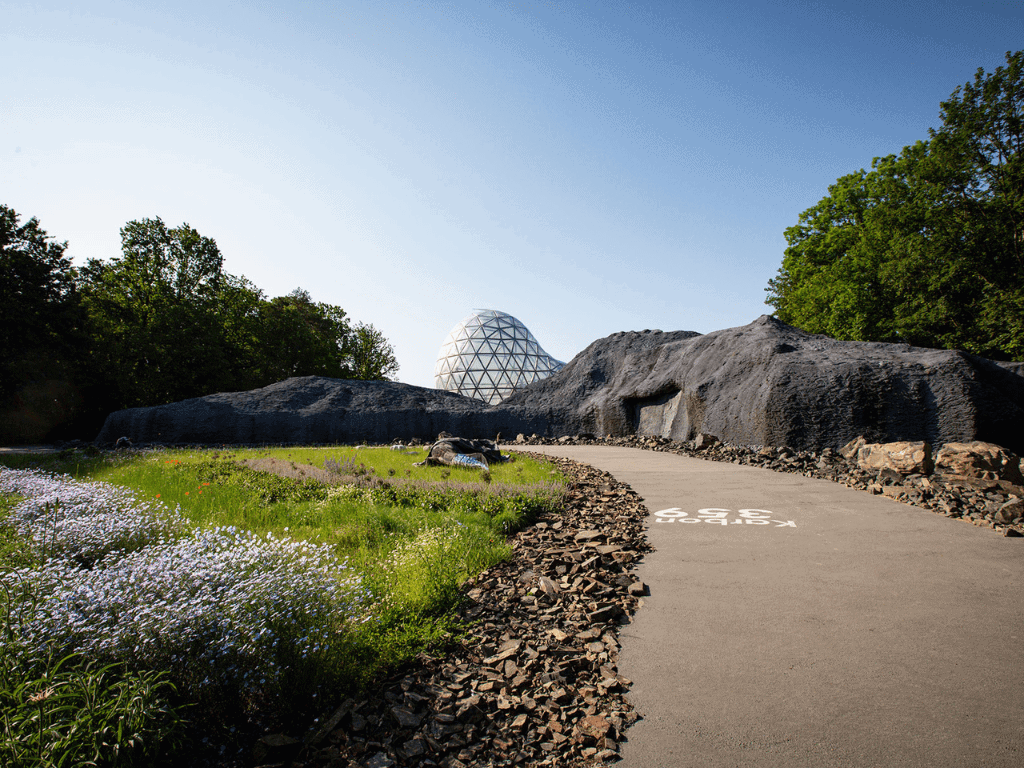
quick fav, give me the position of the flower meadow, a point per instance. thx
(214, 607)
(123, 580)
(193, 603)
(79, 521)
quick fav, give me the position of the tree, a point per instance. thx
(41, 345)
(371, 356)
(166, 323)
(979, 146)
(155, 315)
(300, 337)
(927, 246)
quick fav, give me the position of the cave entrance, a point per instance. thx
(657, 415)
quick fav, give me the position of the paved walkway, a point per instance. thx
(797, 622)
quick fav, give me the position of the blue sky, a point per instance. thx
(586, 167)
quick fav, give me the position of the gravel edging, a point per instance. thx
(535, 682)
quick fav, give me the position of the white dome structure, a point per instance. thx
(489, 355)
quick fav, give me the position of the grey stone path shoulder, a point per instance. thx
(797, 622)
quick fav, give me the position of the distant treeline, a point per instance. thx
(928, 246)
(160, 323)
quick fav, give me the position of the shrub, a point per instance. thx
(65, 712)
(57, 711)
(222, 610)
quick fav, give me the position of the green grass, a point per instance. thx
(414, 533)
(365, 524)
(213, 488)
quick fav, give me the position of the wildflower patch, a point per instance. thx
(216, 607)
(85, 521)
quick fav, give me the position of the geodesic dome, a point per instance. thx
(489, 355)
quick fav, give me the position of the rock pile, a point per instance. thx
(974, 492)
(311, 410)
(536, 681)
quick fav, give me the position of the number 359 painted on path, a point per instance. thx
(717, 516)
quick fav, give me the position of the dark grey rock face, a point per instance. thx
(309, 409)
(765, 383)
(768, 383)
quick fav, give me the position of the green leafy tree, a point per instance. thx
(979, 146)
(41, 344)
(155, 316)
(926, 247)
(167, 323)
(160, 323)
(371, 356)
(300, 337)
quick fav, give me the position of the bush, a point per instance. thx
(228, 613)
(218, 608)
(57, 711)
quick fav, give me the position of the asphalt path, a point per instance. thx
(797, 622)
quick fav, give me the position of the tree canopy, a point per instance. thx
(155, 315)
(161, 322)
(37, 296)
(40, 322)
(928, 246)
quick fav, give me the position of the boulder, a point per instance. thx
(907, 458)
(769, 384)
(1010, 511)
(703, 441)
(849, 451)
(979, 459)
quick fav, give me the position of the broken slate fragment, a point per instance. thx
(637, 589)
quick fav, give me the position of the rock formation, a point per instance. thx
(309, 409)
(765, 383)
(768, 383)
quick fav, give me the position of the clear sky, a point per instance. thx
(588, 167)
